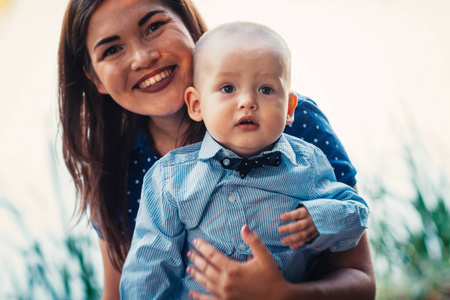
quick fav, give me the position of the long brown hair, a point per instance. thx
(97, 133)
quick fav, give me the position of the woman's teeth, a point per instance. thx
(155, 79)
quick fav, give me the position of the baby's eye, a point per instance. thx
(110, 51)
(154, 26)
(266, 90)
(228, 89)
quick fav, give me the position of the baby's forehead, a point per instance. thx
(243, 42)
(242, 34)
(238, 44)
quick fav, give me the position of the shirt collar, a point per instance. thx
(285, 148)
(210, 148)
(142, 140)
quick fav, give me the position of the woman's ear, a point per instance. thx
(192, 99)
(292, 104)
(94, 79)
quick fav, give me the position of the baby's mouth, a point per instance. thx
(246, 122)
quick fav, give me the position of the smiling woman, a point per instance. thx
(362, 72)
(147, 40)
(122, 51)
(123, 70)
(105, 102)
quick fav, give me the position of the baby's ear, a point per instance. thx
(192, 99)
(293, 101)
(94, 79)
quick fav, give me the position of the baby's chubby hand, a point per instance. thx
(302, 230)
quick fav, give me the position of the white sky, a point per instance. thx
(369, 64)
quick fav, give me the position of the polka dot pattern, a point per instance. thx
(311, 125)
(141, 160)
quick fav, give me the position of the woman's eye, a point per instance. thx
(154, 26)
(110, 51)
(228, 89)
(266, 90)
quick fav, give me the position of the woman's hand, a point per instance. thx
(345, 275)
(229, 279)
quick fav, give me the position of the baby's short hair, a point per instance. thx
(241, 27)
(253, 29)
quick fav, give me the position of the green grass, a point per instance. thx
(410, 242)
(416, 263)
(50, 266)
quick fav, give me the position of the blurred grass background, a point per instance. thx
(378, 69)
(411, 251)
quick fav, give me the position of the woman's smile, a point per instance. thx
(144, 59)
(156, 80)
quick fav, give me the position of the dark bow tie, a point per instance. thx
(244, 165)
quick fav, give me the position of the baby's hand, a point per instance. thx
(303, 229)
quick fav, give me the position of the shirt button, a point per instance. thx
(226, 162)
(242, 247)
(231, 198)
(226, 153)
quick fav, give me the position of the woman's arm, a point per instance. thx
(110, 274)
(349, 274)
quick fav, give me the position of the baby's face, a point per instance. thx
(243, 85)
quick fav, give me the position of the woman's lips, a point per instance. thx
(156, 80)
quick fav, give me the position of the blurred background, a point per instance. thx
(379, 69)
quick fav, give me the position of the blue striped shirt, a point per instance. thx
(310, 125)
(187, 194)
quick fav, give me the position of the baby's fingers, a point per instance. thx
(298, 239)
(296, 214)
(298, 226)
(196, 295)
(295, 238)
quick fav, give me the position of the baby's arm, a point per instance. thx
(335, 218)
(154, 264)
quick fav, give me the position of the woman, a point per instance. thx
(123, 69)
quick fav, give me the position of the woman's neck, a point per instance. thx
(167, 132)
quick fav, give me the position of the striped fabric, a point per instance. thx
(310, 125)
(187, 194)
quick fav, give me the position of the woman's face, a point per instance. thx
(141, 53)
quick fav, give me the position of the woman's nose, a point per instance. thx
(143, 58)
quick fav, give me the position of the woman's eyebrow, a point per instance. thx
(106, 40)
(148, 16)
(140, 23)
